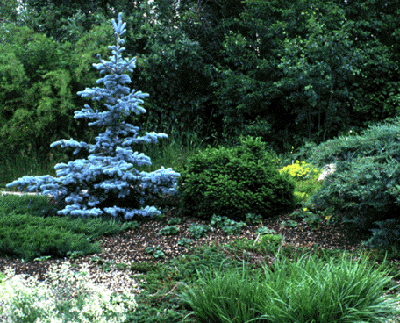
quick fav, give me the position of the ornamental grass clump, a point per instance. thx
(105, 185)
(305, 290)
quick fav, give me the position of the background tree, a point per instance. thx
(8, 10)
(39, 77)
(270, 21)
(230, 86)
(316, 70)
(376, 28)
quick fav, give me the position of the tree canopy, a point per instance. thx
(309, 69)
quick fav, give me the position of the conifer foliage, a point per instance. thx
(112, 186)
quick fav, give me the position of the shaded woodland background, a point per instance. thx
(288, 71)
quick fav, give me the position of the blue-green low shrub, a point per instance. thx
(364, 185)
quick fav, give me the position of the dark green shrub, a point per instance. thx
(233, 182)
(365, 183)
(387, 235)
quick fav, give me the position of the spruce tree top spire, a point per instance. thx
(105, 175)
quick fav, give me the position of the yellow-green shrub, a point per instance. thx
(301, 171)
(306, 179)
(305, 189)
(300, 197)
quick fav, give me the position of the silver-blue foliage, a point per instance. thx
(105, 174)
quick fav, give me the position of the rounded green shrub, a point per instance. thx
(233, 182)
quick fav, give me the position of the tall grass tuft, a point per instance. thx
(303, 291)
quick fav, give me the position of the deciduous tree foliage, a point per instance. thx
(52, 15)
(219, 69)
(375, 27)
(39, 77)
(316, 69)
(106, 175)
(250, 79)
(8, 10)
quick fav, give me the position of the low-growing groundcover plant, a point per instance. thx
(301, 291)
(28, 301)
(25, 234)
(114, 189)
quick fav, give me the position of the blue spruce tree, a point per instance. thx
(112, 187)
